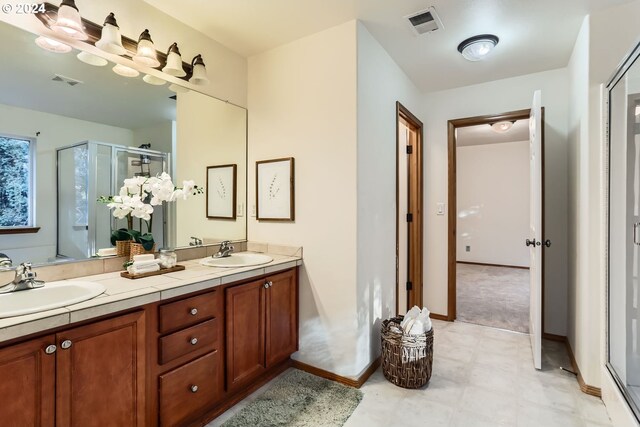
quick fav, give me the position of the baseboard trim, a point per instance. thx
(553, 337)
(357, 383)
(584, 387)
(492, 265)
(440, 317)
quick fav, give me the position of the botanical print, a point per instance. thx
(275, 189)
(221, 191)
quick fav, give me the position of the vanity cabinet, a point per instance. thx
(261, 326)
(92, 375)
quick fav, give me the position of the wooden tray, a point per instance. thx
(126, 274)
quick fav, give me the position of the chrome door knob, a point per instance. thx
(193, 388)
(193, 311)
(193, 341)
(50, 349)
(66, 344)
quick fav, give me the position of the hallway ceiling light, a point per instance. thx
(146, 54)
(69, 22)
(91, 59)
(502, 126)
(52, 45)
(110, 39)
(174, 62)
(477, 47)
(125, 71)
(199, 76)
(153, 80)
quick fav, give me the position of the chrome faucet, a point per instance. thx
(25, 279)
(225, 250)
(195, 241)
(5, 261)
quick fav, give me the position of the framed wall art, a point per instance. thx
(275, 190)
(221, 191)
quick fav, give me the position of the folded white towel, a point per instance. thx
(146, 263)
(106, 252)
(132, 269)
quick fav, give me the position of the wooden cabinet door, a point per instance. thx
(101, 375)
(281, 317)
(245, 333)
(27, 384)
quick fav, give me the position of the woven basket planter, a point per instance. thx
(123, 247)
(138, 249)
(407, 360)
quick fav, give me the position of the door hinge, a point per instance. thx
(409, 217)
(409, 149)
(409, 286)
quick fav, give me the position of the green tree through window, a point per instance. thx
(15, 188)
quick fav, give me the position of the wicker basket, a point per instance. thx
(138, 249)
(123, 247)
(406, 359)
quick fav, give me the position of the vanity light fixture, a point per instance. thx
(110, 39)
(174, 62)
(199, 76)
(177, 88)
(52, 45)
(478, 47)
(91, 59)
(146, 54)
(502, 126)
(153, 80)
(69, 22)
(125, 71)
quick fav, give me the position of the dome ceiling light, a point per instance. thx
(477, 48)
(502, 126)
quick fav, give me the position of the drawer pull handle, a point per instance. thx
(193, 341)
(66, 344)
(193, 388)
(50, 349)
(193, 311)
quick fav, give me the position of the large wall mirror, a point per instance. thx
(623, 358)
(71, 132)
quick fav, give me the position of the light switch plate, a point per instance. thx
(440, 209)
(240, 210)
(253, 210)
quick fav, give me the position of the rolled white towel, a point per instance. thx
(106, 252)
(146, 263)
(411, 315)
(132, 269)
(417, 328)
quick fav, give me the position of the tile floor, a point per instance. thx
(481, 377)
(493, 296)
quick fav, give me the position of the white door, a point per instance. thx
(535, 229)
(403, 209)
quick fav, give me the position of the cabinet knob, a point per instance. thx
(66, 344)
(50, 349)
(193, 388)
(193, 311)
(266, 285)
(193, 341)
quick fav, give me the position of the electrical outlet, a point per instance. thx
(467, 248)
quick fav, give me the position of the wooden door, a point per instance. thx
(27, 384)
(101, 373)
(281, 317)
(245, 332)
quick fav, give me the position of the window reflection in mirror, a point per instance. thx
(83, 127)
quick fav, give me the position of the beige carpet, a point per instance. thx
(493, 296)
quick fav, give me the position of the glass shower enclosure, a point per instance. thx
(623, 253)
(88, 170)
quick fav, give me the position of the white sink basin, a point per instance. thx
(52, 295)
(237, 260)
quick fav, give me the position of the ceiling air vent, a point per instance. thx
(67, 80)
(424, 21)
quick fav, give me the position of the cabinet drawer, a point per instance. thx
(203, 335)
(188, 391)
(187, 312)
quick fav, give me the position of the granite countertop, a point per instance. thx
(122, 294)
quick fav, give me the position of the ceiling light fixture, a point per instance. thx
(146, 54)
(502, 126)
(91, 59)
(153, 80)
(478, 47)
(125, 71)
(199, 76)
(110, 38)
(174, 62)
(69, 22)
(52, 45)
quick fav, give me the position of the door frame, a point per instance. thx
(415, 257)
(452, 125)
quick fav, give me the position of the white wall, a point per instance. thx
(55, 131)
(226, 69)
(159, 135)
(488, 98)
(302, 104)
(380, 84)
(493, 203)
